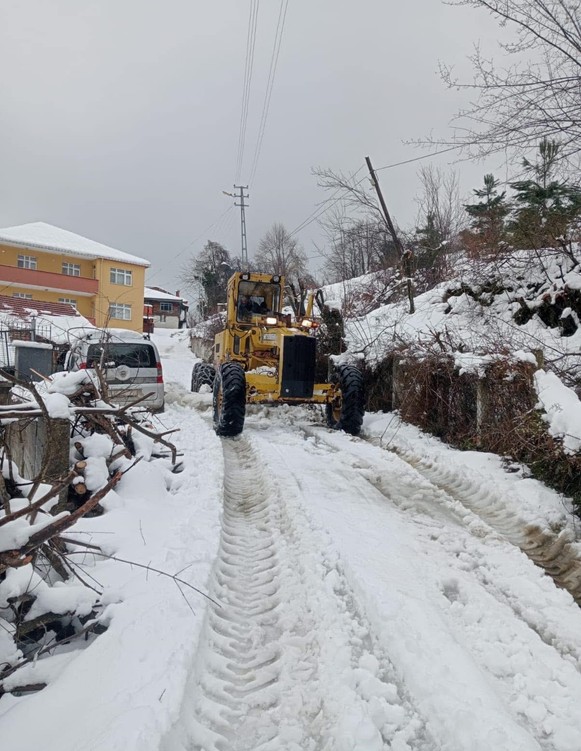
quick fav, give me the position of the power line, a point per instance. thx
(248, 68)
(269, 85)
(323, 208)
(418, 158)
(195, 240)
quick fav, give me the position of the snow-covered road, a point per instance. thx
(368, 603)
(364, 608)
(367, 593)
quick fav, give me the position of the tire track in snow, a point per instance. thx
(493, 602)
(449, 495)
(287, 661)
(238, 663)
(555, 552)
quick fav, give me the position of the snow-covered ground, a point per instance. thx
(366, 593)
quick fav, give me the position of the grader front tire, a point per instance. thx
(347, 409)
(229, 400)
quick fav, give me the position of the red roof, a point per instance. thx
(21, 308)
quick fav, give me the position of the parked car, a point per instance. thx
(130, 363)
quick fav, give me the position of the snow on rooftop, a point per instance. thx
(62, 319)
(56, 240)
(151, 293)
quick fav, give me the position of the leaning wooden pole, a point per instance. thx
(405, 255)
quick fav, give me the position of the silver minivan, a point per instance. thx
(130, 363)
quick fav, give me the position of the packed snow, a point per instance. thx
(562, 409)
(355, 594)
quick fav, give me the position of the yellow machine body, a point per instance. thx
(276, 353)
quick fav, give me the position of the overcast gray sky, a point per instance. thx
(120, 119)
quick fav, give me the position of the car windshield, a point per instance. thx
(132, 355)
(257, 298)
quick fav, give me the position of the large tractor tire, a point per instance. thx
(203, 374)
(346, 410)
(229, 400)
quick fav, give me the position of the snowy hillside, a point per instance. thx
(527, 301)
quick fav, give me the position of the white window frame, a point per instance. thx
(71, 269)
(166, 307)
(27, 262)
(68, 300)
(22, 295)
(119, 311)
(121, 276)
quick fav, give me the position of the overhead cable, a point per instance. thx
(269, 85)
(214, 224)
(248, 68)
(323, 207)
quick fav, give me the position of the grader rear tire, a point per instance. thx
(347, 409)
(203, 374)
(229, 400)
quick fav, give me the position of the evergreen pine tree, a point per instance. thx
(546, 208)
(429, 243)
(488, 215)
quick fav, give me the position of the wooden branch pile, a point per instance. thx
(42, 547)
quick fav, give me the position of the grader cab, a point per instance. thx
(264, 356)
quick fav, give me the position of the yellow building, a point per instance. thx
(46, 263)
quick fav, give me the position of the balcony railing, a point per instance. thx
(46, 280)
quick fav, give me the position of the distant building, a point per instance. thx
(48, 264)
(167, 311)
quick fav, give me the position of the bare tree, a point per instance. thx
(440, 199)
(537, 97)
(357, 195)
(440, 218)
(356, 247)
(279, 253)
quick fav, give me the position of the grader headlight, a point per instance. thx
(271, 321)
(306, 323)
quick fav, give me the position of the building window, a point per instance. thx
(72, 269)
(166, 307)
(68, 300)
(22, 295)
(120, 276)
(26, 262)
(120, 312)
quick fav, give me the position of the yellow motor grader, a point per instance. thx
(264, 356)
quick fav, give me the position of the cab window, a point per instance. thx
(256, 299)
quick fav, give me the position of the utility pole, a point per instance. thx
(405, 255)
(242, 205)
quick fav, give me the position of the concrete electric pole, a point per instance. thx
(241, 197)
